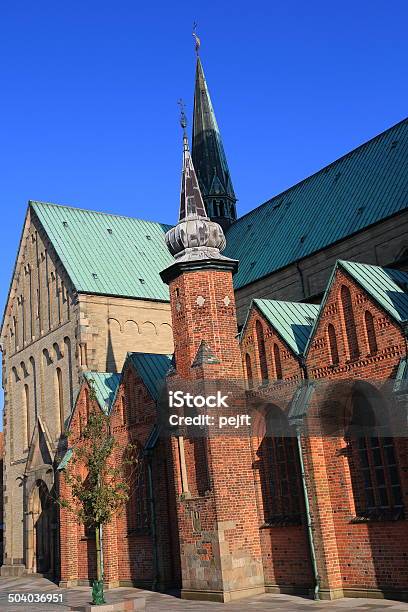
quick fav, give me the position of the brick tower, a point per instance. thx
(218, 524)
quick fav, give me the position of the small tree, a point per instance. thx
(99, 485)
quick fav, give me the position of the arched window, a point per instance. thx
(261, 350)
(60, 398)
(248, 367)
(278, 362)
(138, 502)
(281, 485)
(123, 409)
(349, 323)
(27, 424)
(370, 331)
(373, 463)
(334, 352)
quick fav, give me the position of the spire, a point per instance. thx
(191, 201)
(209, 156)
(195, 236)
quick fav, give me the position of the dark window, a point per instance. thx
(370, 331)
(278, 362)
(138, 502)
(373, 462)
(261, 350)
(279, 469)
(334, 352)
(349, 323)
(248, 367)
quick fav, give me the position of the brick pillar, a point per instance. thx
(324, 534)
(220, 546)
(69, 537)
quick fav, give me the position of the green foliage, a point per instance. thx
(99, 485)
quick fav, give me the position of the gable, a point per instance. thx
(387, 288)
(292, 321)
(362, 188)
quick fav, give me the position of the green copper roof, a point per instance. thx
(152, 369)
(293, 321)
(388, 287)
(105, 385)
(361, 188)
(108, 254)
(65, 460)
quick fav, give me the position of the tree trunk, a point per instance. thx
(99, 576)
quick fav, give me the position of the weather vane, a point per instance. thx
(196, 38)
(183, 118)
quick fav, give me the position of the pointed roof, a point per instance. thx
(105, 385)
(204, 355)
(152, 369)
(191, 201)
(293, 321)
(208, 153)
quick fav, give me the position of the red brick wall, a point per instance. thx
(367, 554)
(285, 548)
(128, 548)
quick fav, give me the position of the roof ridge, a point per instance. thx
(97, 212)
(282, 193)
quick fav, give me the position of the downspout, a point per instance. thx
(306, 497)
(153, 524)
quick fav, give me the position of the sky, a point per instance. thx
(89, 115)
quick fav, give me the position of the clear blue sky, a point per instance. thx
(88, 107)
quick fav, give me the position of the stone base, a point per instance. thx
(66, 584)
(13, 570)
(290, 590)
(222, 596)
(377, 594)
(128, 605)
(330, 594)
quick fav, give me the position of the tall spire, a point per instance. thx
(209, 157)
(195, 237)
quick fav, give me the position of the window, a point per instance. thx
(370, 331)
(248, 367)
(280, 470)
(349, 323)
(334, 352)
(138, 502)
(278, 362)
(26, 403)
(60, 398)
(261, 350)
(373, 463)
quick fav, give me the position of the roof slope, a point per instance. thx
(108, 254)
(152, 369)
(105, 385)
(388, 287)
(359, 189)
(293, 321)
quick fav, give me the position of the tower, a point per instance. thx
(220, 548)
(209, 157)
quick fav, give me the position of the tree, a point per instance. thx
(99, 478)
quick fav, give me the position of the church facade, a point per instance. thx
(119, 305)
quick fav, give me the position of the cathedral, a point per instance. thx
(307, 294)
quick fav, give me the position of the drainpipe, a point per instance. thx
(153, 525)
(306, 497)
(308, 518)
